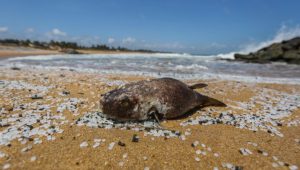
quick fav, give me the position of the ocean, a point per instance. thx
(181, 66)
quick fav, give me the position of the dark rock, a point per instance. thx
(238, 168)
(70, 51)
(15, 68)
(121, 143)
(260, 151)
(135, 138)
(65, 92)
(203, 122)
(35, 96)
(4, 125)
(286, 51)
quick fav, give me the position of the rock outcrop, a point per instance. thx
(70, 51)
(286, 51)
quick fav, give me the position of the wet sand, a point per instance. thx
(215, 145)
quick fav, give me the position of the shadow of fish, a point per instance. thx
(163, 98)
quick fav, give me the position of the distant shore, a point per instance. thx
(18, 51)
(12, 51)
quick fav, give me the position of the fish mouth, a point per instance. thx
(155, 115)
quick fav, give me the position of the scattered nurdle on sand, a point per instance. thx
(52, 119)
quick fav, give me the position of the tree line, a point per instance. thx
(64, 45)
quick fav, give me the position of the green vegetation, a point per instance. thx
(62, 45)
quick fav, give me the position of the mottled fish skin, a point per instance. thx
(169, 98)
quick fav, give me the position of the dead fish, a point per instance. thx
(164, 98)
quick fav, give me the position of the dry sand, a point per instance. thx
(219, 143)
(14, 51)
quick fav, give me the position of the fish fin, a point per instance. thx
(213, 102)
(197, 86)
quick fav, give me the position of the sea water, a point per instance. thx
(181, 66)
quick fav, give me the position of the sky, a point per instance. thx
(192, 26)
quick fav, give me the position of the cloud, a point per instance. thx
(3, 29)
(284, 33)
(128, 40)
(29, 30)
(57, 32)
(110, 40)
(84, 40)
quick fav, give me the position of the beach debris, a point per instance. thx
(135, 138)
(262, 152)
(6, 166)
(151, 99)
(36, 96)
(195, 143)
(84, 144)
(275, 165)
(65, 93)
(231, 166)
(121, 163)
(293, 167)
(96, 145)
(125, 155)
(245, 151)
(120, 143)
(2, 155)
(278, 163)
(20, 85)
(182, 137)
(150, 127)
(253, 144)
(70, 104)
(197, 159)
(111, 145)
(198, 152)
(26, 149)
(37, 141)
(15, 68)
(216, 154)
(33, 158)
(97, 142)
(267, 119)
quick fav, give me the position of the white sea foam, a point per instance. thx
(184, 76)
(189, 67)
(101, 56)
(284, 33)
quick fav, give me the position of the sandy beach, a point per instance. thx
(13, 51)
(47, 122)
(150, 85)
